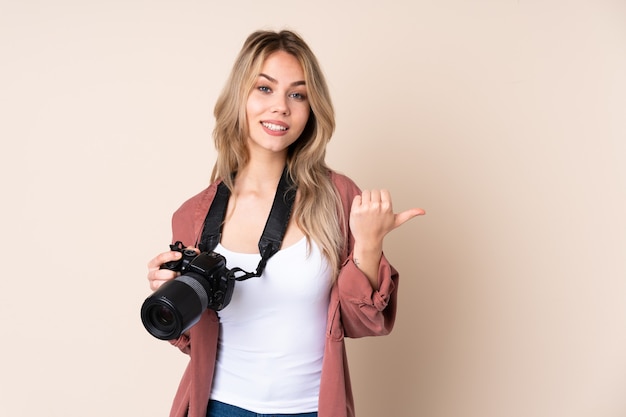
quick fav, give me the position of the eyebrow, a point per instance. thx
(275, 81)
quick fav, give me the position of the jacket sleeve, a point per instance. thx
(364, 311)
(187, 224)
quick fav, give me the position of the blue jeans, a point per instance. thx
(218, 409)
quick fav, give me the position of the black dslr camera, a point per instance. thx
(204, 282)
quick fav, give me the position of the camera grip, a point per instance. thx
(171, 265)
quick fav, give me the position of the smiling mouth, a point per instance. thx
(273, 127)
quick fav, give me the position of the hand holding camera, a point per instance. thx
(178, 302)
(158, 276)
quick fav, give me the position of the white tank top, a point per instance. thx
(272, 333)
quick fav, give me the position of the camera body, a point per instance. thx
(204, 282)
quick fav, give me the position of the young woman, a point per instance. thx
(277, 347)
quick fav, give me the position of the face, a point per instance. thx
(277, 108)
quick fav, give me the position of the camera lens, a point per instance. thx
(163, 316)
(178, 304)
(174, 307)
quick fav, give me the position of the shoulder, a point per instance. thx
(188, 219)
(199, 202)
(346, 191)
(344, 185)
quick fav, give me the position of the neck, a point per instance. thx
(261, 174)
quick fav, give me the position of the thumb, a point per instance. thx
(407, 215)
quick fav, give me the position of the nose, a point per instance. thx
(280, 105)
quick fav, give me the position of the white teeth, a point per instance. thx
(272, 126)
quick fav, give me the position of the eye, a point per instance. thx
(297, 96)
(264, 89)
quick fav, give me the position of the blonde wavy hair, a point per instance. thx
(317, 213)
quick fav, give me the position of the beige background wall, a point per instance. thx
(504, 119)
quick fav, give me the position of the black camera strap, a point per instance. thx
(274, 230)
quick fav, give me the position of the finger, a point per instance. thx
(375, 196)
(366, 196)
(155, 285)
(356, 202)
(158, 277)
(163, 274)
(385, 196)
(385, 200)
(407, 215)
(162, 258)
